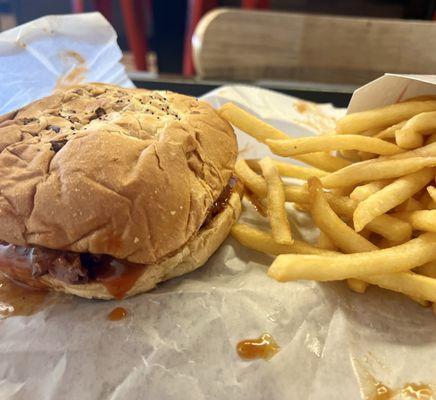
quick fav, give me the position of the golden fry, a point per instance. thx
(420, 288)
(253, 181)
(293, 147)
(324, 242)
(421, 220)
(411, 254)
(278, 217)
(375, 170)
(387, 226)
(383, 117)
(410, 135)
(389, 197)
(364, 191)
(432, 192)
(389, 133)
(263, 241)
(328, 222)
(291, 170)
(248, 123)
(262, 131)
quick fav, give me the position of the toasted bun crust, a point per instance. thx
(191, 256)
(127, 172)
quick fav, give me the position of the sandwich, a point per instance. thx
(107, 191)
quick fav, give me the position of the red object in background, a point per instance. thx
(77, 6)
(134, 23)
(261, 4)
(196, 9)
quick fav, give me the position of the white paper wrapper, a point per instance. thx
(37, 55)
(178, 341)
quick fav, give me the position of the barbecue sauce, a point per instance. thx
(118, 276)
(18, 300)
(256, 202)
(263, 347)
(117, 314)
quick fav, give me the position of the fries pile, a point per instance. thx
(370, 189)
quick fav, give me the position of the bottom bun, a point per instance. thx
(190, 257)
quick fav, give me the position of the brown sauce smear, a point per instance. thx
(410, 391)
(417, 391)
(18, 300)
(256, 203)
(263, 347)
(117, 314)
(118, 277)
(383, 392)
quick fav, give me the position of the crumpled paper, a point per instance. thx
(178, 341)
(51, 51)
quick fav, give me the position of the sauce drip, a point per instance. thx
(117, 314)
(417, 391)
(410, 391)
(263, 347)
(256, 203)
(118, 277)
(221, 202)
(19, 300)
(382, 392)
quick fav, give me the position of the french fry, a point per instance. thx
(262, 131)
(374, 170)
(383, 117)
(410, 204)
(418, 287)
(432, 192)
(411, 254)
(324, 242)
(351, 155)
(389, 197)
(281, 230)
(364, 191)
(357, 285)
(323, 161)
(426, 200)
(336, 230)
(389, 133)
(291, 170)
(364, 155)
(263, 242)
(387, 226)
(408, 139)
(253, 181)
(248, 123)
(295, 147)
(296, 194)
(344, 237)
(421, 220)
(410, 135)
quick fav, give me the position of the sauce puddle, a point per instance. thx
(17, 300)
(117, 314)
(263, 347)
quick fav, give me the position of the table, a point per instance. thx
(339, 95)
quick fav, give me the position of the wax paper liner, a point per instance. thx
(38, 56)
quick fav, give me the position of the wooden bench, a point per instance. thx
(252, 45)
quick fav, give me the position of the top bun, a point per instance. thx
(101, 169)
